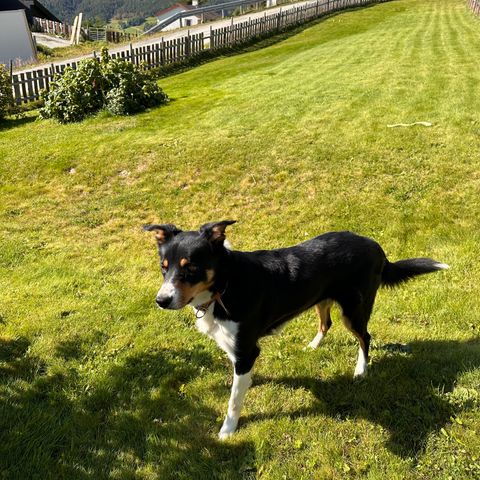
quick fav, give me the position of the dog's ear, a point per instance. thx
(214, 232)
(163, 233)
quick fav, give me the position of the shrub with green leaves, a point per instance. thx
(6, 95)
(119, 86)
(130, 90)
(76, 93)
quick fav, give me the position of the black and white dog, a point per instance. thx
(239, 297)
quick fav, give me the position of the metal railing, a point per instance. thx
(200, 11)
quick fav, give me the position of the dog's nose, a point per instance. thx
(163, 301)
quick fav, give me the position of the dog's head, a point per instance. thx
(189, 262)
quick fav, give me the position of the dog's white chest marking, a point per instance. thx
(224, 332)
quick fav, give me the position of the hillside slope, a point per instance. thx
(106, 9)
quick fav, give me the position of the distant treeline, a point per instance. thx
(129, 12)
(106, 10)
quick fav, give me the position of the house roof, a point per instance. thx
(6, 5)
(176, 6)
(33, 8)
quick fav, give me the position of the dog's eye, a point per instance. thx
(164, 266)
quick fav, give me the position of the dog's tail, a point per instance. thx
(403, 270)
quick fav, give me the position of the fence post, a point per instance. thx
(188, 45)
(132, 60)
(162, 52)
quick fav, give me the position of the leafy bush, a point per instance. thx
(119, 86)
(6, 95)
(129, 89)
(75, 94)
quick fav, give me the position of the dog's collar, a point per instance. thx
(201, 310)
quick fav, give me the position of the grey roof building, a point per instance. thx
(33, 8)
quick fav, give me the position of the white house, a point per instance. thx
(16, 43)
(186, 21)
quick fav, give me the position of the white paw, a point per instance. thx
(228, 428)
(360, 372)
(224, 435)
(361, 366)
(313, 345)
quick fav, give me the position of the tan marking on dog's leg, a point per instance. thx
(324, 323)
(362, 359)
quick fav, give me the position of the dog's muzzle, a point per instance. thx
(164, 301)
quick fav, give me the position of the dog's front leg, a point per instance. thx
(242, 379)
(240, 385)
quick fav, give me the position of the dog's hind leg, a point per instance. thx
(324, 322)
(242, 379)
(362, 359)
(356, 319)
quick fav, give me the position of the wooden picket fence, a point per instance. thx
(474, 6)
(28, 85)
(107, 35)
(49, 26)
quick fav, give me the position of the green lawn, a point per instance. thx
(292, 141)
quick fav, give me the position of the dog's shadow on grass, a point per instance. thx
(133, 420)
(408, 394)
